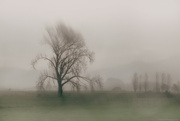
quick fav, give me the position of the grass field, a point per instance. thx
(27, 106)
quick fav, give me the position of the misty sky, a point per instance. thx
(118, 31)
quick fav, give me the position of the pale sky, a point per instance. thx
(118, 31)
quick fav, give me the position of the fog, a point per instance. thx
(122, 34)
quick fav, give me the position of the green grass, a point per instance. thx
(27, 106)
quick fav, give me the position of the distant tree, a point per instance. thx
(99, 81)
(75, 85)
(175, 88)
(163, 87)
(157, 82)
(68, 59)
(40, 84)
(168, 82)
(91, 84)
(96, 82)
(140, 83)
(48, 86)
(85, 88)
(178, 84)
(135, 82)
(145, 82)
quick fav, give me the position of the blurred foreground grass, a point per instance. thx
(102, 106)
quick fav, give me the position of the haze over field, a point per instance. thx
(126, 36)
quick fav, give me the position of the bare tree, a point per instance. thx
(40, 83)
(157, 82)
(135, 82)
(48, 85)
(168, 82)
(163, 82)
(178, 84)
(75, 85)
(175, 88)
(69, 56)
(96, 81)
(140, 83)
(145, 82)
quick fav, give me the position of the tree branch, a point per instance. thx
(75, 77)
(41, 57)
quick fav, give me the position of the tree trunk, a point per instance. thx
(60, 90)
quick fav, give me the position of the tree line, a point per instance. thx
(162, 83)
